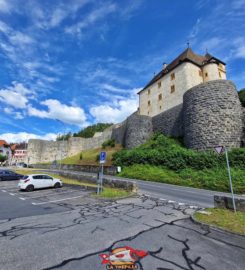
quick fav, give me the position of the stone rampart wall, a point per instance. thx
(170, 122)
(210, 115)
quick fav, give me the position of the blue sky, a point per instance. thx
(68, 64)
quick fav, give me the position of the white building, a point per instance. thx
(167, 88)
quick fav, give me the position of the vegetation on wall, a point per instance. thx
(64, 137)
(241, 95)
(166, 160)
(109, 143)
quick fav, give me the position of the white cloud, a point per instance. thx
(116, 112)
(68, 114)
(16, 114)
(16, 96)
(24, 136)
(5, 6)
(95, 15)
(239, 47)
(20, 38)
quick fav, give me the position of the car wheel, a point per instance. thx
(30, 188)
(57, 185)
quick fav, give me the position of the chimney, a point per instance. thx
(165, 65)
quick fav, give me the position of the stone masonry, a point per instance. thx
(211, 115)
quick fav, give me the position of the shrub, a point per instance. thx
(241, 95)
(81, 156)
(3, 158)
(167, 152)
(109, 143)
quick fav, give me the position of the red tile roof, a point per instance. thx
(3, 142)
(186, 56)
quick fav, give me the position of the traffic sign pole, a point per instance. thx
(229, 173)
(101, 173)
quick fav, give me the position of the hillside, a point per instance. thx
(90, 157)
(166, 160)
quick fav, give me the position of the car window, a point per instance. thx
(25, 177)
(37, 177)
(47, 177)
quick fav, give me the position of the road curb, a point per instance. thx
(208, 227)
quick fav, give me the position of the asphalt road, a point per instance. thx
(69, 229)
(192, 196)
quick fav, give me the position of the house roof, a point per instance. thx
(186, 56)
(3, 143)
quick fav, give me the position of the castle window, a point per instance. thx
(172, 88)
(149, 91)
(206, 74)
(160, 107)
(172, 76)
(159, 84)
(160, 97)
(200, 73)
(149, 103)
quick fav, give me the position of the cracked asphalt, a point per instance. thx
(75, 228)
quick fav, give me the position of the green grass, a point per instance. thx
(113, 193)
(226, 219)
(212, 179)
(89, 156)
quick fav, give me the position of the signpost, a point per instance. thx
(100, 180)
(219, 150)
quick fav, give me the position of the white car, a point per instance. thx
(36, 181)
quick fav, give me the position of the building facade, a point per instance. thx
(167, 88)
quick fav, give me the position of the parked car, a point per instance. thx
(21, 165)
(37, 181)
(9, 175)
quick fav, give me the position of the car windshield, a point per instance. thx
(24, 177)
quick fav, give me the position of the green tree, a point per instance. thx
(2, 158)
(241, 95)
(89, 131)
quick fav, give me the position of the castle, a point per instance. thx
(167, 88)
(188, 98)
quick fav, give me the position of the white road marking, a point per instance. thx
(4, 190)
(181, 203)
(171, 201)
(50, 194)
(12, 194)
(58, 200)
(162, 199)
(23, 199)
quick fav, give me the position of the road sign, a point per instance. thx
(219, 149)
(102, 157)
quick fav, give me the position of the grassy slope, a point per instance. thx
(89, 156)
(213, 179)
(225, 219)
(166, 160)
